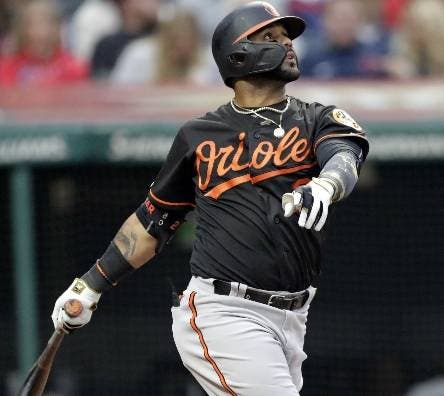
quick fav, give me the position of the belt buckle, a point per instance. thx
(279, 301)
(289, 303)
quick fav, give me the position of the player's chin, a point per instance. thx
(288, 71)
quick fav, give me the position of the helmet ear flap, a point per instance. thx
(252, 58)
(240, 60)
(237, 59)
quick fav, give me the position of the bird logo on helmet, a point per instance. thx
(236, 56)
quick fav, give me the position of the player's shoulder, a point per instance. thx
(316, 111)
(211, 120)
(310, 108)
(327, 121)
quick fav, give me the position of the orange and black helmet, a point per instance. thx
(237, 56)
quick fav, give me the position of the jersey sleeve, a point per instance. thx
(332, 122)
(173, 187)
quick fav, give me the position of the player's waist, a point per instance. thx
(276, 299)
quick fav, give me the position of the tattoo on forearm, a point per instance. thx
(126, 242)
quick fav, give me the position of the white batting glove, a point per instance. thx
(311, 202)
(79, 290)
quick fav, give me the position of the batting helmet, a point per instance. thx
(237, 56)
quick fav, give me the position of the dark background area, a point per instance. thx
(375, 326)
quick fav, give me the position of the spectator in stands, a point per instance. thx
(179, 49)
(39, 57)
(4, 24)
(418, 43)
(311, 11)
(173, 55)
(6, 11)
(68, 7)
(93, 20)
(342, 52)
(139, 18)
(392, 11)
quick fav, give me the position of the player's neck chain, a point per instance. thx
(279, 131)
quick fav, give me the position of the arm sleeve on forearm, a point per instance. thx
(109, 270)
(340, 160)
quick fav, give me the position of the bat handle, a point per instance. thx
(73, 308)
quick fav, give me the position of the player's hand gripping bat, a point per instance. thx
(35, 382)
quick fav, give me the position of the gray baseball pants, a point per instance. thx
(234, 346)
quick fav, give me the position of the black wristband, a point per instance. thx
(108, 271)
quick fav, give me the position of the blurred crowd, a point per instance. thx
(48, 42)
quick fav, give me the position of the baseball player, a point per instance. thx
(261, 173)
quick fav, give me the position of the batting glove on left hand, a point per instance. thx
(311, 201)
(79, 290)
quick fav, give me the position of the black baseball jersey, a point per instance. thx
(233, 171)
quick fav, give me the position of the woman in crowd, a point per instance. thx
(175, 54)
(417, 42)
(39, 57)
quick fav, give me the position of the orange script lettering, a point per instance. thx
(223, 159)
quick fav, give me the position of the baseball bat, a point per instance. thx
(35, 382)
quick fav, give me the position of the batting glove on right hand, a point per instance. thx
(79, 290)
(311, 201)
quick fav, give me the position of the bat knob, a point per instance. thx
(73, 308)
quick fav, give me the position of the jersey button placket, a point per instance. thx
(254, 140)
